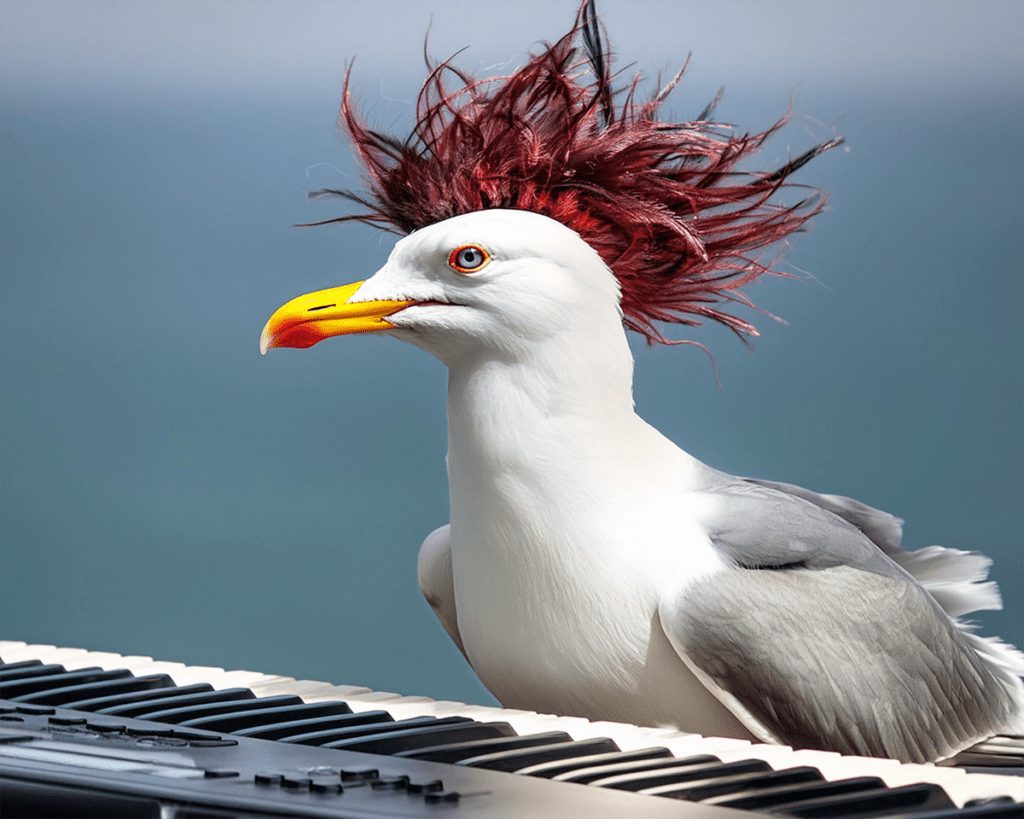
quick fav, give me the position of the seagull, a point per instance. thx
(591, 567)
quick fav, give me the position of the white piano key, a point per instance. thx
(246, 679)
(303, 688)
(103, 659)
(47, 654)
(335, 692)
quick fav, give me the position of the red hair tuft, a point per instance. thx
(662, 203)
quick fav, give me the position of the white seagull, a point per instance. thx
(592, 567)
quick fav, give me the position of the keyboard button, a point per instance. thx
(218, 773)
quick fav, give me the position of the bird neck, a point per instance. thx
(578, 388)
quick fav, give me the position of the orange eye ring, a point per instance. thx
(468, 258)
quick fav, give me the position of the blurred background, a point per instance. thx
(166, 491)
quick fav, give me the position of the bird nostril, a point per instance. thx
(321, 307)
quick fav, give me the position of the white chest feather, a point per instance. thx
(561, 547)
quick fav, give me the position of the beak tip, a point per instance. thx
(266, 342)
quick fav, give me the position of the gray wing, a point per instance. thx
(758, 525)
(825, 641)
(884, 530)
(839, 659)
(434, 569)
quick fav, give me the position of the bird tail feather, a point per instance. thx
(958, 581)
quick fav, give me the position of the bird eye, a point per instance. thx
(468, 258)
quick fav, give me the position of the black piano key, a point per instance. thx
(555, 767)
(918, 798)
(142, 710)
(188, 713)
(232, 721)
(31, 668)
(1002, 809)
(454, 751)
(668, 775)
(591, 773)
(701, 789)
(350, 732)
(527, 757)
(989, 759)
(17, 689)
(139, 697)
(285, 731)
(392, 742)
(22, 664)
(68, 697)
(763, 798)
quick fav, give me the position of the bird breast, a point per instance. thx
(561, 546)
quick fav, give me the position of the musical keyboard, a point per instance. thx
(161, 736)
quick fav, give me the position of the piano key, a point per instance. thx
(286, 730)
(393, 742)
(406, 727)
(188, 713)
(232, 721)
(348, 731)
(68, 695)
(917, 798)
(511, 761)
(30, 685)
(980, 759)
(586, 775)
(30, 668)
(703, 789)
(142, 710)
(759, 799)
(994, 810)
(139, 697)
(48, 654)
(672, 774)
(555, 767)
(454, 751)
(1009, 744)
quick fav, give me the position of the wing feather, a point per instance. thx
(839, 658)
(434, 569)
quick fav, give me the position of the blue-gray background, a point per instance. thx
(166, 491)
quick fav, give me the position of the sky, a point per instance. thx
(166, 491)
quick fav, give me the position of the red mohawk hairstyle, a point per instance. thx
(662, 203)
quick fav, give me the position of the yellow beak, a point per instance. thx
(304, 321)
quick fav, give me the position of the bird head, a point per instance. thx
(501, 281)
(527, 196)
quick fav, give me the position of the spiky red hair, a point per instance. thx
(662, 203)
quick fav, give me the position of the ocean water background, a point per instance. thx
(166, 491)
